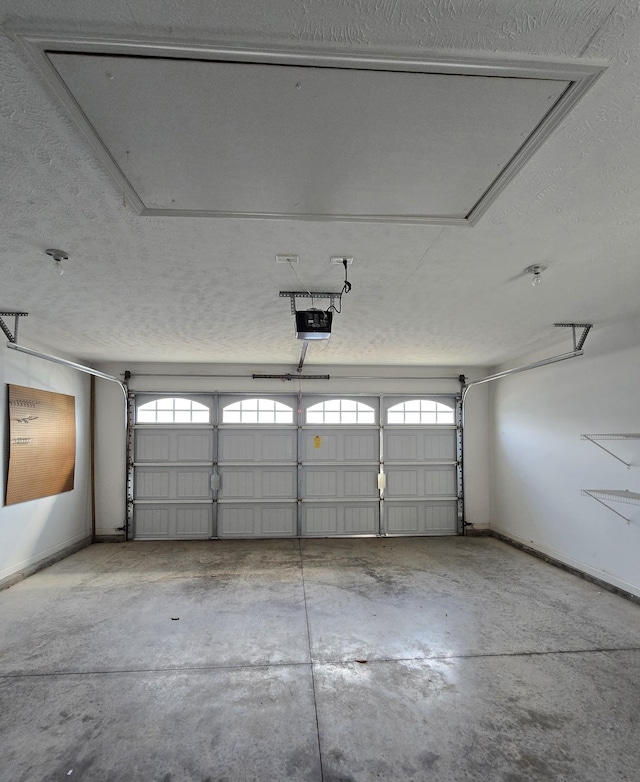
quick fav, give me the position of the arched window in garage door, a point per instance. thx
(172, 410)
(340, 411)
(421, 411)
(257, 411)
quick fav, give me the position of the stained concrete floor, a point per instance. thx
(322, 660)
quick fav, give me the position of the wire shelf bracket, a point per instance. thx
(12, 336)
(593, 438)
(613, 495)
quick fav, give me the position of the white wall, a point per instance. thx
(34, 531)
(110, 439)
(540, 464)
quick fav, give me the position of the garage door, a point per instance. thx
(234, 466)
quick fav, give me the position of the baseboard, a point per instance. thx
(45, 562)
(593, 575)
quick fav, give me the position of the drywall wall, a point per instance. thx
(540, 464)
(35, 531)
(110, 434)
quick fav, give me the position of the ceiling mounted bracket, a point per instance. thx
(293, 295)
(11, 336)
(578, 342)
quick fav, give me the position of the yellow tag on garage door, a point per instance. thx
(317, 441)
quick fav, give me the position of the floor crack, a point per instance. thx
(313, 678)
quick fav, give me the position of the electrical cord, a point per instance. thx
(347, 285)
(345, 289)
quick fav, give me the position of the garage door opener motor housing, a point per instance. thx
(313, 324)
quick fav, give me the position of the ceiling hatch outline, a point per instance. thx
(570, 78)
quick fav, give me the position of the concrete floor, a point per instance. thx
(322, 660)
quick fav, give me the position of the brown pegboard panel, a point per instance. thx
(42, 443)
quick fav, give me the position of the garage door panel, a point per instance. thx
(421, 481)
(440, 481)
(421, 518)
(173, 446)
(257, 483)
(193, 522)
(357, 518)
(152, 483)
(279, 483)
(320, 520)
(155, 522)
(320, 447)
(420, 445)
(360, 482)
(257, 446)
(361, 446)
(401, 446)
(279, 521)
(151, 522)
(237, 521)
(193, 484)
(277, 447)
(152, 446)
(402, 518)
(172, 483)
(402, 483)
(242, 520)
(192, 447)
(236, 446)
(361, 519)
(340, 482)
(320, 483)
(342, 445)
(237, 483)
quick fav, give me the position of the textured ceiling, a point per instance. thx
(206, 290)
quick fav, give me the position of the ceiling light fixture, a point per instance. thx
(58, 256)
(536, 269)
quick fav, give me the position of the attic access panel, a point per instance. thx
(219, 132)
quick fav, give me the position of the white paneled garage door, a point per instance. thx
(235, 466)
